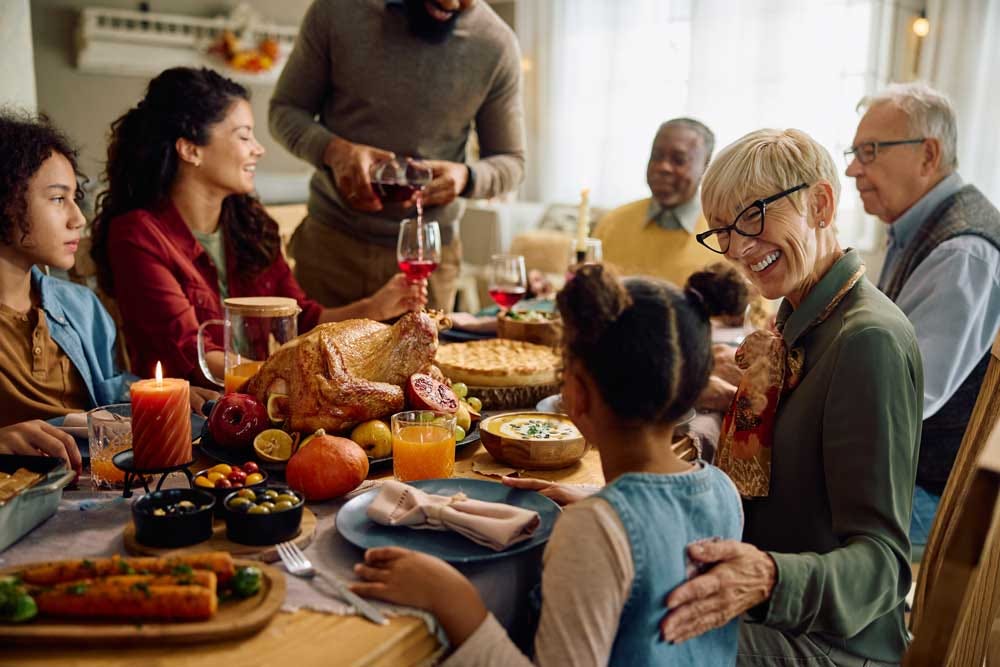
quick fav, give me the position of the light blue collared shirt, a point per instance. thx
(82, 328)
(683, 216)
(952, 299)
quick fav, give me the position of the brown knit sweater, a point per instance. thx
(358, 69)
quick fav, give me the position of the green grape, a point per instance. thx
(461, 389)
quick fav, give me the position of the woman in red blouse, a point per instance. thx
(179, 229)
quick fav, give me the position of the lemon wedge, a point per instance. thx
(273, 445)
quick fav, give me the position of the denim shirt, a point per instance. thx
(84, 330)
(661, 515)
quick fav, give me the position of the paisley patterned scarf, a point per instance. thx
(770, 371)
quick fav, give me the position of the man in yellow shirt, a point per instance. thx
(656, 236)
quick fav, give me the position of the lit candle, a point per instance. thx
(161, 422)
(583, 221)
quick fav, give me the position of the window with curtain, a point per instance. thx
(601, 76)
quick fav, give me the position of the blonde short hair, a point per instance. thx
(761, 164)
(929, 113)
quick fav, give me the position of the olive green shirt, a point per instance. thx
(843, 471)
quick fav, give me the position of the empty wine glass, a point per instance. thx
(508, 281)
(400, 179)
(418, 248)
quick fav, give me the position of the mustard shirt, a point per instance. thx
(37, 379)
(634, 243)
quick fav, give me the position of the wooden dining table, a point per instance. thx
(303, 638)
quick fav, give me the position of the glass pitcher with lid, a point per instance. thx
(255, 326)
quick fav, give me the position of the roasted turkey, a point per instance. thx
(347, 372)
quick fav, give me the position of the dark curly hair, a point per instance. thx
(27, 141)
(180, 102)
(646, 343)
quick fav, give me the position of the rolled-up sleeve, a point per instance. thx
(871, 431)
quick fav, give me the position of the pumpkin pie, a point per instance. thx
(499, 362)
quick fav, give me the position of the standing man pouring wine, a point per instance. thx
(372, 79)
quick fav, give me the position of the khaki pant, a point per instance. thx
(336, 269)
(761, 646)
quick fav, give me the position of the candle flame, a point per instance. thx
(159, 373)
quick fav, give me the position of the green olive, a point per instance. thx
(239, 503)
(259, 509)
(268, 504)
(249, 494)
(286, 497)
(270, 494)
(282, 505)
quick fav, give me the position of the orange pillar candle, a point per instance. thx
(161, 422)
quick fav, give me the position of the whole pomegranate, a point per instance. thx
(326, 467)
(425, 393)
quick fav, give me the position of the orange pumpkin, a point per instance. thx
(327, 467)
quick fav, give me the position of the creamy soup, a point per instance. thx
(535, 427)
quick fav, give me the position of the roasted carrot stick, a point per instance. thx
(138, 601)
(219, 562)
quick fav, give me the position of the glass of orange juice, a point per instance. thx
(423, 445)
(109, 431)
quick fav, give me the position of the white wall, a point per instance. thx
(17, 70)
(84, 105)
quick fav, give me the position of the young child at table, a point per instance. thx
(57, 341)
(637, 354)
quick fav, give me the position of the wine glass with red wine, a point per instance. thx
(418, 248)
(508, 281)
(399, 180)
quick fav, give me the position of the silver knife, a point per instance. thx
(365, 608)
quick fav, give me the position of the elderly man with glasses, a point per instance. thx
(942, 265)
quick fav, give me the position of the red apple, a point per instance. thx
(236, 420)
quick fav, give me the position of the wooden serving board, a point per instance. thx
(235, 618)
(218, 542)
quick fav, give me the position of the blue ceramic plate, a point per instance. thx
(355, 526)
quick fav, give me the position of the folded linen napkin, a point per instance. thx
(493, 525)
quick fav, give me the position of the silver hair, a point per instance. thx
(929, 112)
(707, 137)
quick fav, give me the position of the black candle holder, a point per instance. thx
(125, 461)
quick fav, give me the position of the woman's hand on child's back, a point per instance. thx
(561, 494)
(415, 579)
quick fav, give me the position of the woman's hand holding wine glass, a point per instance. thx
(508, 282)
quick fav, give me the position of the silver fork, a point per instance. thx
(297, 564)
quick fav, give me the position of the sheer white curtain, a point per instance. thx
(601, 76)
(970, 75)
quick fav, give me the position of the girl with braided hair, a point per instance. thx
(637, 354)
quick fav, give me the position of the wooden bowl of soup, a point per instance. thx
(533, 440)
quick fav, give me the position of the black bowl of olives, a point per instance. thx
(173, 517)
(262, 516)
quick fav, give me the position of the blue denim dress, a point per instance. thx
(662, 514)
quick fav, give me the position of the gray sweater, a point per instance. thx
(358, 69)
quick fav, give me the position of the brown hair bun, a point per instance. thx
(719, 289)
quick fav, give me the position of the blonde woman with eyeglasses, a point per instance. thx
(822, 436)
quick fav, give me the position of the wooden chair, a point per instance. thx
(958, 586)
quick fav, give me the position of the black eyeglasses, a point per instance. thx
(866, 152)
(750, 222)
